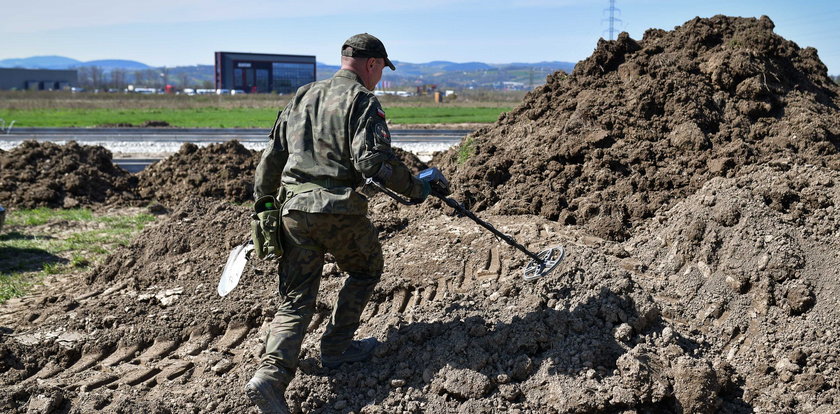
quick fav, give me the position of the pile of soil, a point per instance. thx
(460, 330)
(43, 174)
(699, 167)
(49, 175)
(750, 263)
(222, 171)
(640, 125)
(144, 124)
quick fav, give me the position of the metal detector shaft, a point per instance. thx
(463, 210)
(507, 239)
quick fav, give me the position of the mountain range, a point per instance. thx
(61, 62)
(445, 74)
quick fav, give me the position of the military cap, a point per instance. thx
(366, 45)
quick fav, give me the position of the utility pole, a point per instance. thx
(612, 19)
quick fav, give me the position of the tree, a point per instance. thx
(118, 79)
(91, 77)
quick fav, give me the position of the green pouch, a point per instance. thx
(267, 228)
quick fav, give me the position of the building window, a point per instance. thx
(290, 76)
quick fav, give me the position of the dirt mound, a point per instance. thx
(461, 330)
(43, 174)
(751, 263)
(642, 124)
(145, 124)
(221, 171)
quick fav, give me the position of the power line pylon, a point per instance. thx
(612, 19)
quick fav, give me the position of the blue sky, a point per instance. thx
(187, 32)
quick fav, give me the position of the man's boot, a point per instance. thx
(357, 351)
(265, 394)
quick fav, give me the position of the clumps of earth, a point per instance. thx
(44, 174)
(221, 171)
(691, 177)
(640, 125)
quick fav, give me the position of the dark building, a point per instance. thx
(37, 79)
(255, 72)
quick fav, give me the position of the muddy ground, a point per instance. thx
(691, 177)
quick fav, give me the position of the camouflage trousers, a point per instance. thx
(352, 239)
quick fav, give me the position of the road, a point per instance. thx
(135, 148)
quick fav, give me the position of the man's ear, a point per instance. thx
(371, 63)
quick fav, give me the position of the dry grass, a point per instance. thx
(34, 100)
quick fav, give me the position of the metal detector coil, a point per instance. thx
(550, 258)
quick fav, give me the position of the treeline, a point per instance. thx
(95, 77)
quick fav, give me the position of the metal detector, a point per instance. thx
(541, 263)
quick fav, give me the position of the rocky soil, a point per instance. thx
(37, 174)
(640, 125)
(221, 171)
(691, 177)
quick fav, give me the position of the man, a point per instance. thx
(329, 138)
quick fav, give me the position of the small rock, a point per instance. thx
(396, 383)
(623, 332)
(340, 404)
(463, 383)
(667, 334)
(42, 403)
(785, 365)
(169, 296)
(222, 366)
(800, 299)
(738, 283)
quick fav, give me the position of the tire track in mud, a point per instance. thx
(147, 365)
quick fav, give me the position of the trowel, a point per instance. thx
(237, 259)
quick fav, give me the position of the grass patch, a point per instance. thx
(216, 117)
(466, 150)
(39, 216)
(42, 241)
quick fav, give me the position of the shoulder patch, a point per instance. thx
(380, 112)
(382, 132)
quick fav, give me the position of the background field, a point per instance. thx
(64, 109)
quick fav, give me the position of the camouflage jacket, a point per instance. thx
(332, 135)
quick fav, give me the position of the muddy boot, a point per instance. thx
(357, 351)
(266, 395)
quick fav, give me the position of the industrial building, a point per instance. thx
(37, 79)
(261, 73)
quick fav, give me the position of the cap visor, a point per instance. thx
(389, 64)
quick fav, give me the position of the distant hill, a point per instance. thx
(454, 75)
(443, 74)
(115, 64)
(40, 62)
(61, 62)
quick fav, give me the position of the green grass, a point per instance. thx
(27, 253)
(38, 216)
(211, 117)
(466, 150)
